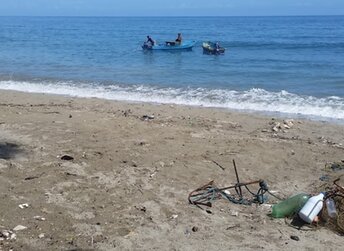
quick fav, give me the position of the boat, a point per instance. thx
(210, 48)
(170, 45)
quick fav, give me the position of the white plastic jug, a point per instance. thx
(312, 207)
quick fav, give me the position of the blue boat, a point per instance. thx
(170, 45)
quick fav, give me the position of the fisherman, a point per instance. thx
(150, 41)
(217, 47)
(179, 38)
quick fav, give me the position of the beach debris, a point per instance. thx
(281, 126)
(126, 113)
(206, 194)
(194, 229)
(41, 236)
(34, 177)
(70, 174)
(277, 127)
(294, 237)
(324, 177)
(25, 205)
(40, 218)
(67, 157)
(235, 213)
(19, 228)
(331, 208)
(312, 207)
(147, 117)
(326, 207)
(288, 123)
(217, 164)
(227, 192)
(154, 172)
(335, 166)
(174, 216)
(331, 143)
(289, 206)
(233, 226)
(141, 208)
(7, 235)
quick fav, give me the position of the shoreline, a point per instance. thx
(254, 100)
(134, 165)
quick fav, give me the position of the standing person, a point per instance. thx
(150, 41)
(179, 38)
(217, 47)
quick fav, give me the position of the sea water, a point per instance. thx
(291, 66)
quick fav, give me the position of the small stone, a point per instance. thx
(288, 122)
(141, 208)
(67, 157)
(227, 192)
(147, 117)
(276, 127)
(70, 116)
(7, 235)
(294, 237)
(235, 213)
(19, 228)
(25, 205)
(37, 217)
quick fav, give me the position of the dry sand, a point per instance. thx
(127, 187)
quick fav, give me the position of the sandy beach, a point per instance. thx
(134, 165)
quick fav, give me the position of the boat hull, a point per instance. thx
(186, 45)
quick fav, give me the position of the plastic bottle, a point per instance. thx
(312, 208)
(331, 208)
(289, 206)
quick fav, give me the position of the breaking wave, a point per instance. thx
(327, 108)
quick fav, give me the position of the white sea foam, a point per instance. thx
(252, 100)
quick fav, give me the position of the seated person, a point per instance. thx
(179, 38)
(178, 41)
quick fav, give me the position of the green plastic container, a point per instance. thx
(289, 206)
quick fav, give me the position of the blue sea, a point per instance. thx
(289, 66)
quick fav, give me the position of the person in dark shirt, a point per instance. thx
(150, 41)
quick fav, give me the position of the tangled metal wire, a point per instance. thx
(206, 194)
(337, 194)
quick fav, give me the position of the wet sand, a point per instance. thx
(134, 165)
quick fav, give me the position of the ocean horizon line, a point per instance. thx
(173, 16)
